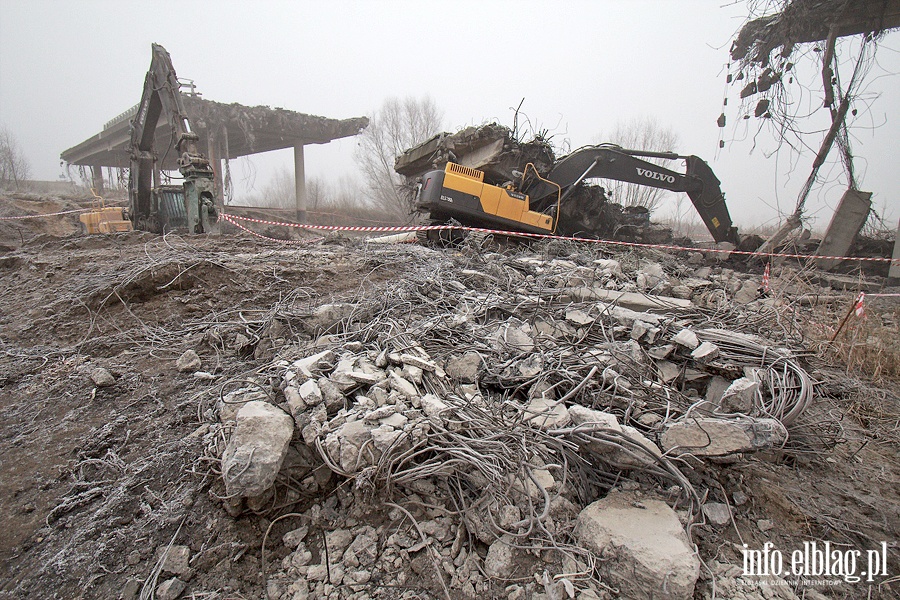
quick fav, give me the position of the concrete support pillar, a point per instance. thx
(300, 183)
(894, 273)
(97, 179)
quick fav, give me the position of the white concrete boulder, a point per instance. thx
(256, 449)
(646, 553)
(710, 436)
(740, 397)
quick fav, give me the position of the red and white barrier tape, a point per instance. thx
(765, 279)
(267, 238)
(62, 212)
(402, 228)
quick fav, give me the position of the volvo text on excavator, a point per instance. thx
(153, 206)
(533, 203)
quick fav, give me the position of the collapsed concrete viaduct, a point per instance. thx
(226, 131)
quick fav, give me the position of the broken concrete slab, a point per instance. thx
(586, 417)
(668, 371)
(177, 559)
(715, 389)
(432, 406)
(310, 393)
(491, 148)
(643, 331)
(313, 363)
(650, 276)
(705, 352)
(686, 338)
(464, 368)
(516, 336)
(257, 448)
(402, 386)
(632, 300)
(501, 558)
(710, 436)
(647, 553)
(326, 316)
(170, 589)
(717, 513)
(747, 293)
(661, 352)
(578, 317)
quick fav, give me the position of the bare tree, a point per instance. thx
(397, 126)
(14, 167)
(640, 134)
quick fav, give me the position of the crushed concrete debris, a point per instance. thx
(573, 381)
(437, 475)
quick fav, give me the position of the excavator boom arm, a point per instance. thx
(161, 99)
(612, 162)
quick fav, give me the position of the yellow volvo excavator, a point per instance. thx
(533, 203)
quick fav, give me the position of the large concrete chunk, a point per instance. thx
(894, 272)
(740, 397)
(464, 368)
(256, 449)
(546, 413)
(584, 418)
(848, 220)
(645, 549)
(720, 437)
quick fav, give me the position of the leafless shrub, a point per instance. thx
(397, 126)
(640, 134)
(14, 167)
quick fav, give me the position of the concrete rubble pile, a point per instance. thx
(491, 148)
(515, 426)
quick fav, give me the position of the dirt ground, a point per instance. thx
(93, 480)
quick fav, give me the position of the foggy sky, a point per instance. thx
(68, 67)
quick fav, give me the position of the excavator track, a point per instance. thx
(442, 238)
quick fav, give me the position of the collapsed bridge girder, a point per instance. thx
(224, 131)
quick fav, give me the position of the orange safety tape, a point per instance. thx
(402, 228)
